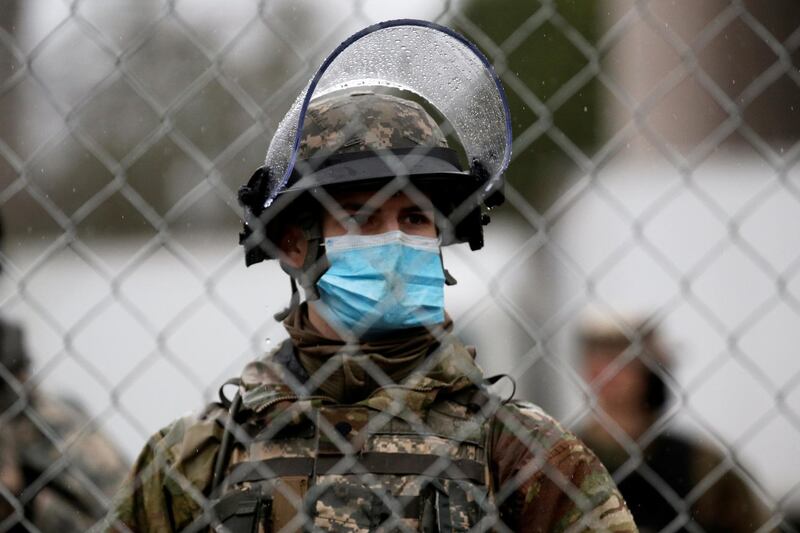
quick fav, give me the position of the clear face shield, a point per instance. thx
(428, 60)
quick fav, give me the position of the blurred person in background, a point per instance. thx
(626, 369)
(57, 471)
(372, 416)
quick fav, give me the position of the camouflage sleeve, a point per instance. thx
(167, 486)
(547, 480)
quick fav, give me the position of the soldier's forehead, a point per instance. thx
(371, 197)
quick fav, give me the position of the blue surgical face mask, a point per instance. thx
(379, 283)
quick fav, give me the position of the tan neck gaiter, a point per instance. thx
(397, 355)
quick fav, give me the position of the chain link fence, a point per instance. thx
(654, 174)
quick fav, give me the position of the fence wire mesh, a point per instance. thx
(650, 227)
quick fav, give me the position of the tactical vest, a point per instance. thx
(354, 468)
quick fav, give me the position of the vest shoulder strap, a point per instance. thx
(479, 398)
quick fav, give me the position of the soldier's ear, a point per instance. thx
(293, 246)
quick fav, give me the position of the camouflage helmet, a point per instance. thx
(365, 121)
(334, 135)
(362, 138)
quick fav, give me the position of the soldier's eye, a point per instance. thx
(417, 219)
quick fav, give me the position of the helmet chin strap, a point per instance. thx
(449, 280)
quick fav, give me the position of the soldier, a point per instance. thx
(373, 415)
(672, 467)
(57, 470)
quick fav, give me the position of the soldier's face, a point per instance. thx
(364, 213)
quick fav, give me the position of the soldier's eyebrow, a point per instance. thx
(352, 206)
(361, 208)
(416, 209)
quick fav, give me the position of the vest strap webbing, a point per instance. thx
(239, 503)
(237, 511)
(370, 462)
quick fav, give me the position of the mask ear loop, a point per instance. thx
(316, 263)
(314, 266)
(449, 280)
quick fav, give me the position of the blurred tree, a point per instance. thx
(538, 49)
(203, 94)
(18, 208)
(543, 73)
(9, 15)
(9, 64)
(164, 95)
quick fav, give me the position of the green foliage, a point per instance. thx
(544, 60)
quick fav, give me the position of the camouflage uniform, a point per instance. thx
(58, 471)
(513, 460)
